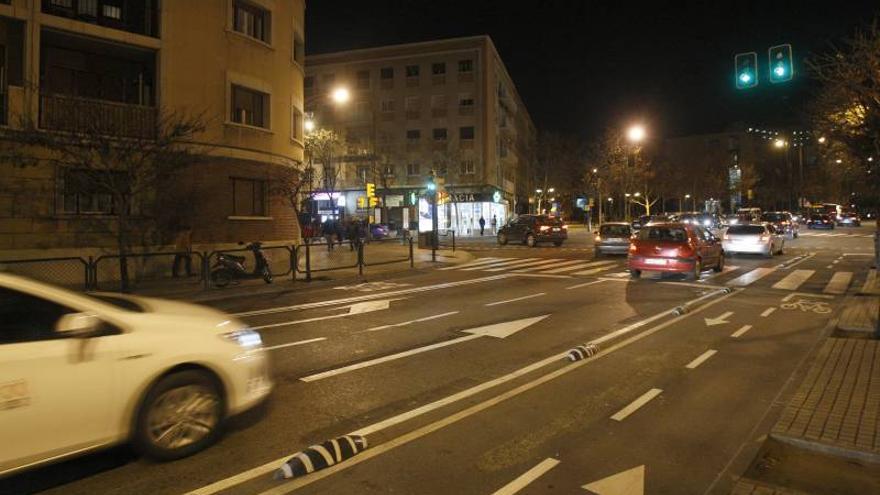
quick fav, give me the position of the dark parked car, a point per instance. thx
(675, 247)
(613, 238)
(532, 229)
(820, 222)
(782, 221)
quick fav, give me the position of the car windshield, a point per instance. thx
(614, 230)
(670, 234)
(774, 217)
(818, 217)
(746, 230)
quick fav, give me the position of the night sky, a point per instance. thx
(581, 66)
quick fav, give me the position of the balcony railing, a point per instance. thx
(72, 114)
(132, 16)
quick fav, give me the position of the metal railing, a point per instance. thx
(74, 114)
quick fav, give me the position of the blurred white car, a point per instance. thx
(753, 238)
(80, 372)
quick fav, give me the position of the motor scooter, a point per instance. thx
(230, 268)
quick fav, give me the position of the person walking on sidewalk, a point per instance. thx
(482, 225)
(353, 235)
(183, 246)
(494, 224)
(329, 232)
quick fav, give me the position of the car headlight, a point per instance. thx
(707, 222)
(245, 338)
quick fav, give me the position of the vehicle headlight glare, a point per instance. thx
(246, 338)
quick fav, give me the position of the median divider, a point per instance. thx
(583, 352)
(321, 456)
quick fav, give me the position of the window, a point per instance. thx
(413, 134)
(66, 4)
(80, 195)
(296, 124)
(299, 48)
(412, 71)
(388, 170)
(110, 11)
(412, 169)
(362, 172)
(27, 318)
(363, 79)
(438, 69)
(440, 134)
(386, 73)
(387, 105)
(440, 169)
(467, 167)
(466, 65)
(248, 197)
(251, 20)
(88, 8)
(465, 132)
(465, 100)
(250, 107)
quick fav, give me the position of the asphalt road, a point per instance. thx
(458, 378)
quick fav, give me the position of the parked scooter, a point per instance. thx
(230, 267)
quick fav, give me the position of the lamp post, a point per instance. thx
(598, 195)
(339, 96)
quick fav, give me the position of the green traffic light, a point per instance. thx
(779, 71)
(432, 186)
(745, 77)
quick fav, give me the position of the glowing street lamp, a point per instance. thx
(779, 143)
(309, 125)
(821, 140)
(636, 133)
(341, 95)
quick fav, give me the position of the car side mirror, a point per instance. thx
(78, 325)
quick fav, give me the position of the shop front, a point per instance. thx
(461, 212)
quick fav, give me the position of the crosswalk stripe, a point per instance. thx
(794, 279)
(838, 283)
(479, 261)
(522, 265)
(579, 267)
(564, 263)
(517, 261)
(751, 277)
(594, 271)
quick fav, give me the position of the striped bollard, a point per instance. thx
(321, 456)
(582, 352)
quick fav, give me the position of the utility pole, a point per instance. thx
(432, 197)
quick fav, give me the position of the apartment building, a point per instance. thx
(446, 106)
(237, 63)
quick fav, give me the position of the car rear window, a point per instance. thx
(614, 230)
(774, 217)
(746, 230)
(671, 234)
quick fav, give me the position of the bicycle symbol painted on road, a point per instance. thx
(806, 305)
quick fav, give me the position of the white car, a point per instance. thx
(753, 238)
(81, 372)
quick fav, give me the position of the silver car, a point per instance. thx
(613, 238)
(756, 238)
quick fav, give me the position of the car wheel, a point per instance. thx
(531, 241)
(635, 273)
(502, 239)
(698, 270)
(180, 415)
(719, 267)
(557, 243)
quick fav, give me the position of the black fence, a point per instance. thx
(181, 269)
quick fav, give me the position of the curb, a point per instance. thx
(321, 456)
(823, 448)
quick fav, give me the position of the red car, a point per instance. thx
(675, 247)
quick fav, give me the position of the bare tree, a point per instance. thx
(126, 163)
(323, 148)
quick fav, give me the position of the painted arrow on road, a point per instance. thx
(353, 309)
(629, 482)
(497, 330)
(719, 320)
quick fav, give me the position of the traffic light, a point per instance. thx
(746, 70)
(431, 185)
(781, 65)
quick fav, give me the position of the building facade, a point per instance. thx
(238, 64)
(448, 107)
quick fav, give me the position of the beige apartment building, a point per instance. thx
(446, 106)
(238, 63)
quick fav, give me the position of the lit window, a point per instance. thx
(466, 65)
(251, 20)
(111, 12)
(467, 167)
(249, 107)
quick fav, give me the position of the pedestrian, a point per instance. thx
(183, 254)
(482, 225)
(353, 238)
(328, 231)
(340, 231)
(494, 224)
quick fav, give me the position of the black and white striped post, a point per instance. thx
(321, 456)
(583, 352)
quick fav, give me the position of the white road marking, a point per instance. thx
(701, 359)
(526, 478)
(537, 275)
(629, 482)
(835, 262)
(368, 297)
(292, 344)
(751, 277)
(539, 294)
(726, 269)
(870, 282)
(478, 261)
(524, 265)
(838, 283)
(718, 320)
(636, 404)
(802, 260)
(803, 294)
(270, 466)
(410, 322)
(497, 330)
(593, 271)
(859, 254)
(515, 262)
(579, 266)
(354, 309)
(829, 267)
(794, 279)
(563, 263)
(745, 328)
(578, 286)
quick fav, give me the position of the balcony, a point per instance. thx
(74, 114)
(133, 16)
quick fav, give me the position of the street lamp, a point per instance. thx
(309, 125)
(822, 140)
(636, 133)
(551, 190)
(686, 197)
(341, 95)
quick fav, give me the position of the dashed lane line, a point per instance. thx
(636, 404)
(526, 478)
(294, 344)
(701, 359)
(496, 303)
(739, 333)
(767, 312)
